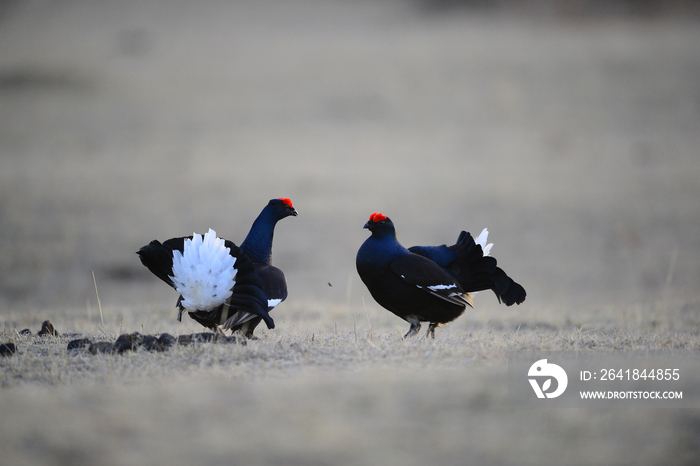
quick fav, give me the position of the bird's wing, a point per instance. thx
(274, 284)
(441, 255)
(425, 274)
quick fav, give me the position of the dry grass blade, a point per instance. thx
(99, 304)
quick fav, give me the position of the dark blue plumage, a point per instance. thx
(259, 286)
(428, 283)
(258, 244)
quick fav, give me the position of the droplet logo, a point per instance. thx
(546, 372)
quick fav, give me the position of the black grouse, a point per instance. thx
(429, 283)
(221, 285)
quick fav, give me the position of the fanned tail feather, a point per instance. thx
(204, 273)
(243, 289)
(238, 289)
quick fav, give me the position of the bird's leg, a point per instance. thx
(180, 309)
(246, 330)
(431, 330)
(415, 326)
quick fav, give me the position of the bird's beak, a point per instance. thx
(366, 225)
(294, 212)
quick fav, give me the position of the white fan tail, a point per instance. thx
(481, 241)
(204, 272)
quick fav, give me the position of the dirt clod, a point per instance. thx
(101, 347)
(7, 349)
(48, 329)
(79, 343)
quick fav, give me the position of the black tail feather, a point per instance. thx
(508, 291)
(158, 259)
(515, 294)
(477, 273)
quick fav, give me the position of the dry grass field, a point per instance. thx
(573, 137)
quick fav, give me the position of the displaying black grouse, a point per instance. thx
(221, 285)
(429, 283)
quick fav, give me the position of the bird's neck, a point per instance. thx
(381, 249)
(258, 244)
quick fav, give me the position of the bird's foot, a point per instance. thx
(415, 327)
(431, 330)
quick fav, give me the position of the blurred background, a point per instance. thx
(571, 129)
